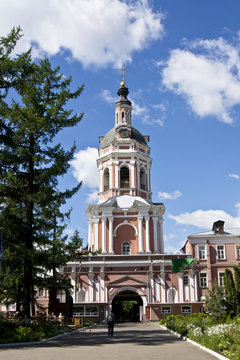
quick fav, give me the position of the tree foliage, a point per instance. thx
(230, 293)
(31, 115)
(215, 304)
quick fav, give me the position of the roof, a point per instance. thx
(126, 202)
(111, 137)
(227, 232)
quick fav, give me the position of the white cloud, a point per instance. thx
(234, 176)
(96, 32)
(92, 197)
(142, 111)
(139, 110)
(207, 75)
(205, 218)
(106, 96)
(85, 167)
(170, 249)
(169, 196)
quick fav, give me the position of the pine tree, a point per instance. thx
(32, 165)
(230, 293)
(215, 302)
(237, 286)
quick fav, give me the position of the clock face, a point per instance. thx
(124, 133)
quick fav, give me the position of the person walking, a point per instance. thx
(110, 322)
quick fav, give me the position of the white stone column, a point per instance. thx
(147, 234)
(161, 241)
(140, 234)
(155, 233)
(110, 219)
(102, 284)
(151, 295)
(104, 233)
(73, 283)
(132, 174)
(196, 288)
(163, 286)
(95, 221)
(192, 291)
(90, 234)
(100, 171)
(157, 286)
(90, 284)
(97, 286)
(180, 286)
(138, 177)
(116, 174)
(110, 176)
(148, 178)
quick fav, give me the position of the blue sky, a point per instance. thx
(183, 60)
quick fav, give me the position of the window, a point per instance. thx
(143, 179)
(203, 280)
(61, 296)
(85, 311)
(125, 248)
(220, 252)
(106, 179)
(124, 177)
(91, 310)
(202, 252)
(238, 251)
(185, 280)
(166, 310)
(186, 309)
(221, 279)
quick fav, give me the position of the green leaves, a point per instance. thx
(31, 164)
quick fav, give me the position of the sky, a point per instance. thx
(183, 61)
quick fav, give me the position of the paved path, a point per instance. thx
(130, 342)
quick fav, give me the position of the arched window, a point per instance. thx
(106, 179)
(143, 179)
(125, 248)
(117, 118)
(122, 116)
(124, 177)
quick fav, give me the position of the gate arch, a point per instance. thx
(134, 298)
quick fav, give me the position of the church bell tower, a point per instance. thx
(125, 221)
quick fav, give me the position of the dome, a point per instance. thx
(111, 137)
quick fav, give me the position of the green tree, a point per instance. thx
(32, 165)
(237, 286)
(215, 304)
(230, 293)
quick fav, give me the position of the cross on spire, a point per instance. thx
(122, 70)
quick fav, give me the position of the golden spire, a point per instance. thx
(123, 80)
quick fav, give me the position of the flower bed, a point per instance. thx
(223, 338)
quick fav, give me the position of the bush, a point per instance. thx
(215, 335)
(20, 331)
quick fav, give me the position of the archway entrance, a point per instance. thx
(127, 306)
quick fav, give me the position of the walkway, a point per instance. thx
(131, 341)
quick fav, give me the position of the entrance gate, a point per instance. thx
(127, 306)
